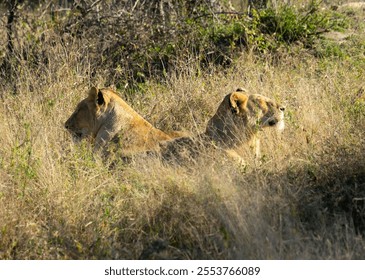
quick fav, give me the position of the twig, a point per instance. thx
(135, 5)
(219, 13)
(46, 9)
(95, 3)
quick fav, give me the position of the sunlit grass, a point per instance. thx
(59, 201)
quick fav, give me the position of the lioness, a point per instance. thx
(236, 122)
(104, 116)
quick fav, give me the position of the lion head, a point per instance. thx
(82, 123)
(241, 115)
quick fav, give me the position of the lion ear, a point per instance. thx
(93, 93)
(97, 95)
(236, 99)
(100, 99)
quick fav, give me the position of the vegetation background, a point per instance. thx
(173, 61)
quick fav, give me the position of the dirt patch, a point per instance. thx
(337, 36)
(353, 5)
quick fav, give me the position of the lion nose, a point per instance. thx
(67, 125)
(282, 108)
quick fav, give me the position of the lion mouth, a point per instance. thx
(272, 122)
(78, 134)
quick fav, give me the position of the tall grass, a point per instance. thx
(59, 201)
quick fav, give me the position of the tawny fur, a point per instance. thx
(104, 117)
(236, 122)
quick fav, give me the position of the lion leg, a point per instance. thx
(257, 149)
(255, 145)
(236, 157)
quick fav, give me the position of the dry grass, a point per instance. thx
(57, 201)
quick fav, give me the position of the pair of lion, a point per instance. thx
(104, 117)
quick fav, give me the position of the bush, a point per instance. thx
(130, 48)
(289, 25)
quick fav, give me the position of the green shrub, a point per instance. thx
(136, 47)
(289, 25)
